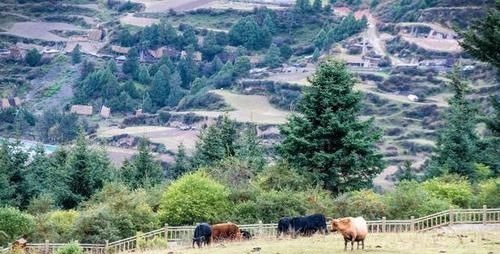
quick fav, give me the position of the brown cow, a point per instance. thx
(353, 230)
(225, 231)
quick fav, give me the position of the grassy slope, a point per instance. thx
(408, 243)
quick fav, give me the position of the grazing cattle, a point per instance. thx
(225, 231)
(202, 234)
(353, 230)
(308, 225)
(245, 234)
(283, 226)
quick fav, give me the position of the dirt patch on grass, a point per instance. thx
(170, 137)
(441, 45)
(40, 30)
(130, 19)
(244, 6)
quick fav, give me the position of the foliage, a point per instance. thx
(481, 40)
(181, 204)
(248, 33)
(14, 224)
(143, 170)
(272, 58)
(131, 65)
(156, 242)
(216, 142)
(56, 127)
(115, 213)
(457, 190)
(282, 177)
(76, 55)
(409, 198)
(181, 164)
(250, 149)
(70, 248)
(488, 193)
(55, 226)
(33, 57)
(364, 203)
(327, 139)
(457, 149)
(160, 89)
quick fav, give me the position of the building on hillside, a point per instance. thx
(196, 55)
(84, 110)
(5, 103)
(16, 53)
(95, 34)
(14, 102)
(119, 49)
(105, 112)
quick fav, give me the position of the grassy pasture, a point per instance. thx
(408, 243)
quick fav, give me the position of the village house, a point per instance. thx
(6, 103)
(105, 112)
(119, 49)
(84, 110)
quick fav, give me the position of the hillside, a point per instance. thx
(401, 59)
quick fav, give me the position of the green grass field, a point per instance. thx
(408, 243)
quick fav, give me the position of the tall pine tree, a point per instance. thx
(327, 140)
(457, 150)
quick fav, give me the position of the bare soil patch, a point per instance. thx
(40, 30)
(130, 19)
(165, 5)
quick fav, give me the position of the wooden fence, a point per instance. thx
(183, 234)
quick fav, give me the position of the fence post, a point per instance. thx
(260, 228)
(412, 223)
(451, 216)
(166, 232)
(484, 215)
(383, 225)
(106, 246)
(46, 247)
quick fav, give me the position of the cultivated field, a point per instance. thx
(248, 108)
(130, 19)
(165, 5)
(170, 137)
(244, 6)
(409, 243)
(442, 45)
(40, 30)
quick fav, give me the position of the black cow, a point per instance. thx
(202, 234)
(245, 235)
(308, 225)
(283, 226)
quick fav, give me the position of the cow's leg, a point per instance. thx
(345, 244)
(358, 245)
(363, 244)
(352, 245)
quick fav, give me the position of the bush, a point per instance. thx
(193, 198)
(488, 193)
(14, 224)
(282, 177)
(411, 199)
(455, 189)
(364, 203)
(70, 248)
(56, 226)
(156, 242)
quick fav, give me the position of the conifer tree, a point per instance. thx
(456, 147)
(327, 140)
(76, 55)
(160, 89)
(182, 163)
(272, 58)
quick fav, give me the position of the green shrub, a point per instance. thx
(364, 203)
(410, 199)
(489, 193)
(282, 177)
(70, 248)
(194, 197)
(14, 224)
(56, 226)
(156, 242)
(455, 189)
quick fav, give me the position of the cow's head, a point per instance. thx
(198, 241)
(245, 235)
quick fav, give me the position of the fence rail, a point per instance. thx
(183, 234)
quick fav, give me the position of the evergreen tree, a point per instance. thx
(176, 91)
(303, 5)
(143, 170)
(131, 65)
(242, 66)
(33, 57)
(143, 75)
(327, 140)
(147, 104)
(87, 68)
(250, 149)
(187, 68)
(481, 40)
(210, 47)
(317, 5)
(76, 55)
(182, 163)
(160, 89)
(286, 52)
(456, 147)
(272, 58)
(269, 24)
(111, 65)
(216, 142)
(131, 90)
(189, 37)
